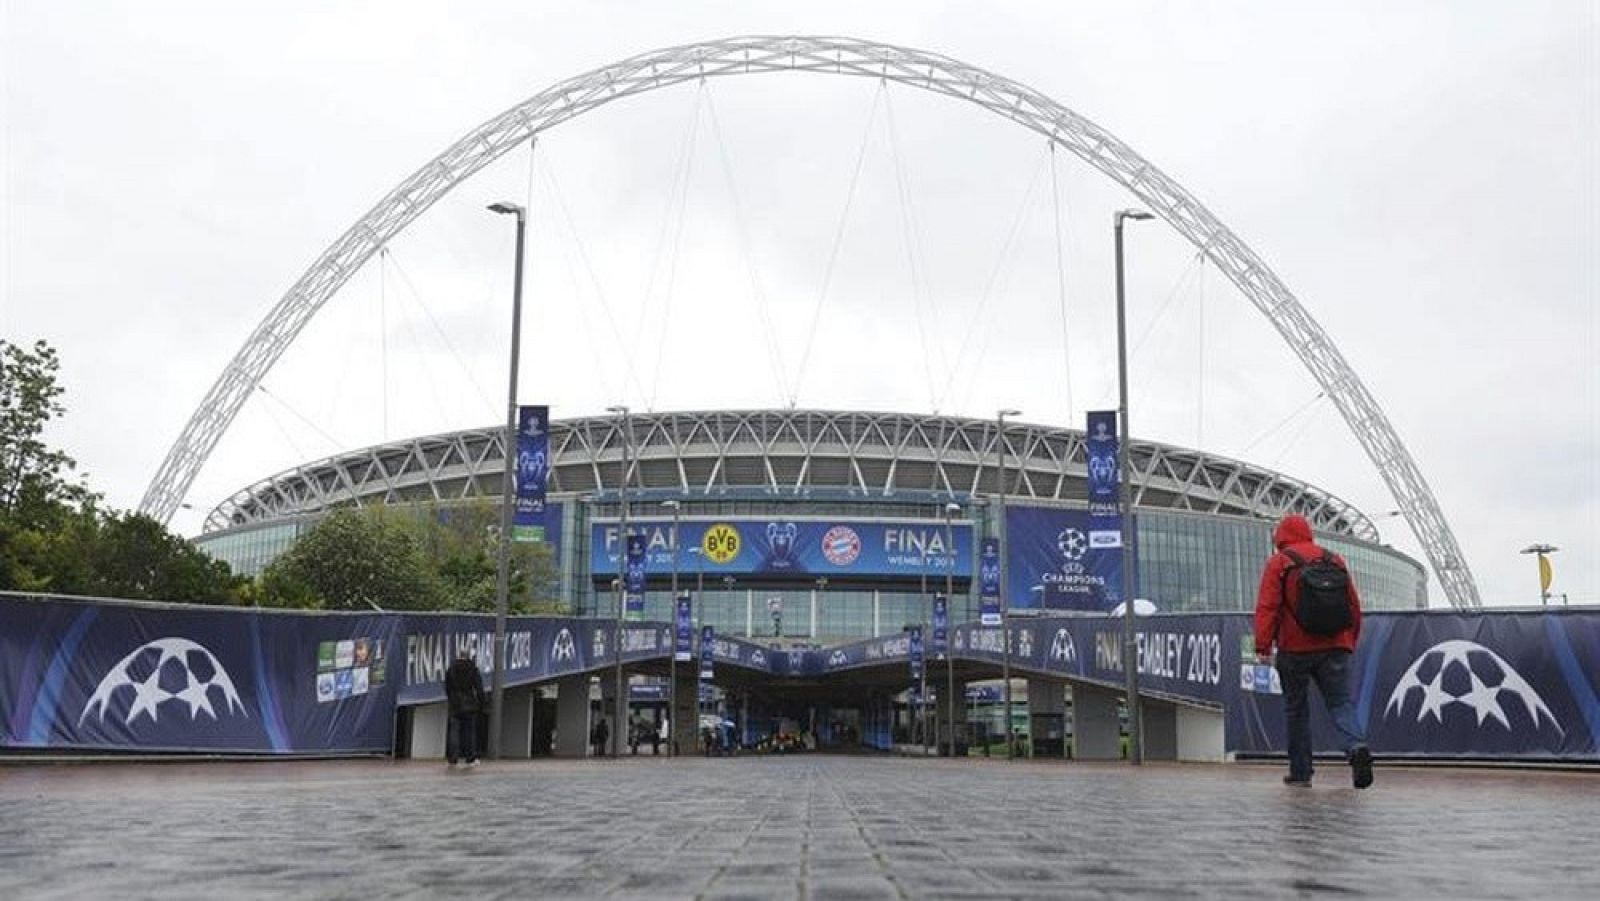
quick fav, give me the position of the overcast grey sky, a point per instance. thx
(1423, 177)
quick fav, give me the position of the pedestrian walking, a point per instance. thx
(599, 735)
(1308, 608)
(463, 690)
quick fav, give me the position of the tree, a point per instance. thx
(133, 556)
(462, 545)
(354, 560)
(34, 489)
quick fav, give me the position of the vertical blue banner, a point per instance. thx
(532, 471)
(633, 579)
(915, 653)
(1104, 554)
(989, 582)
(1100, 453)
(707, 641)
(683, 630)
(941, 626)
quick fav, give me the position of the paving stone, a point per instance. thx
(804, 826)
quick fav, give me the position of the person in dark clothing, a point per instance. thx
(463, 690)
(598, 736)
(1305, 656)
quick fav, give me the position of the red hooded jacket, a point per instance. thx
(1275, 619)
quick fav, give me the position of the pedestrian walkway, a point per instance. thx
(787, 827)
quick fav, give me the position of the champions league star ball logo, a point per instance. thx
(1489, 676)
(563, 648)
(1072, 544)
(167, 669)
(758, 658)
(1062, 649)
(838, 658)
(780, 537)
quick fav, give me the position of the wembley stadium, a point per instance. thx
(833, 526)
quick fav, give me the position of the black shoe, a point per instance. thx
(1360, 766)
(1292, 782)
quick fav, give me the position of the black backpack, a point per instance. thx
(1323, 604)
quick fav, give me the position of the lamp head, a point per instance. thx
(1132, 214)
(506, 207)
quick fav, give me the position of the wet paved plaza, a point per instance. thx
(814, 827)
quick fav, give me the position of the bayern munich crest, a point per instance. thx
(841, 545)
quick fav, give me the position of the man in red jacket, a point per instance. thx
(1305, 656)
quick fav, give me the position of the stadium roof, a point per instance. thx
(786, 453)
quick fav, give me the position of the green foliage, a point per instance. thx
(354, 560)
(34, 490)
(136, 557)
(423, 558)
(53, 537)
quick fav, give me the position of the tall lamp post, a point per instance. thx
(950, 510)
(1005, 602)
(502, 581)
(621, 713)
(1130, 665)
(672, 668)
(1542, 550)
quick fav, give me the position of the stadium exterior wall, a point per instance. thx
(1203, 522)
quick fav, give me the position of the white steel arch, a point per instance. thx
(838, 56)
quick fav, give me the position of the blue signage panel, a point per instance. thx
(915, 634)
(107, 676)
(1053, 564)
(941, 626)
(634, 577)
(989, 582)
(708, 639)
(1100, 444)
(531, 472)
(683, 629)
(800, 547)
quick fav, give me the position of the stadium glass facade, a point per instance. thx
(1204, 522)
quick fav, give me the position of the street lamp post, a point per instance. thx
(502, 582)
(950, 510)
(1130, 665)
(621, 705)
(672, 666)
(1541, 550)
(1005, 602)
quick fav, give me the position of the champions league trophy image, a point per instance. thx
(780, 545)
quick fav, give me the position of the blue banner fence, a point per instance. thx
(80, 674)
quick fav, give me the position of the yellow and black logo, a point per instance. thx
(721, 543)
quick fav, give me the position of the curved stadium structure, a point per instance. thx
(841, 523)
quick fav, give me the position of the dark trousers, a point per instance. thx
(1331, 671)
(461, 739)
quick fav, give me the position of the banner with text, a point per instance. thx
(989, 583)
(634, 578)
(801, 547)
(1054, 566)
(531, 472)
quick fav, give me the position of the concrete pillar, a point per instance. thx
(516, 725)
(686, 718)
(1200, 735)
(572, 717)
(428, 725)
(952, 717)
(1047, 706)
(1159, 727)
(813, 613)
(877, 614)
(616, 726)
(1096, 731)
(749, 612)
